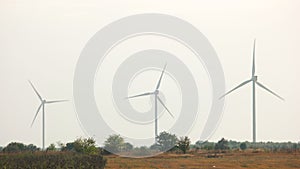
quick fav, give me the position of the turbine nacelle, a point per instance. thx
(254, 78)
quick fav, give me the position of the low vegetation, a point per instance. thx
(54, 160)
(179, 153)
(82, 153)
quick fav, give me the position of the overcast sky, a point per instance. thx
(42, 41)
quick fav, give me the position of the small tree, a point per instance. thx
(222, 145)
(205, 145)
(78, 145)
(184, 144)
(60, 145)
(89, 146)
(114, 143)
(51, 147)
(243, 146)
(86, 146)
(32, 147)
(166, 141)
(154, 147)
(68, 147)
(294, 147)
(141, 151)
(127, 147)
(14, 147)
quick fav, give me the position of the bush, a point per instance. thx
(222, 145)
(114, 143)
(166, 141)
(205, 145)
(86, 146)
(51, 160)
(51, 148)
(15, 147)
(141, 151)
(184, 144)
(243, 146)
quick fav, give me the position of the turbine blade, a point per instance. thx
(253, 62)
(37, 93)
(264, 87)
(242, 84)
(162, 73)
(139, 95)
(56, 101)
(161, 102)
(37, 112)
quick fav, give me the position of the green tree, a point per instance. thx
(78, 145)
(294, 147)
(127, 147)
(166, 141)
(14, 147)
(233, 144)
(86, 146)
(32, 147)
(89, 146)
(141, 151)
(114, 143)
(205, 145)
(68, 147)
(243, 146)
(184, 144)
(154, 147)
(51, 147)
(222, 145)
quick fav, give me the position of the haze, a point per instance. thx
(42, 41)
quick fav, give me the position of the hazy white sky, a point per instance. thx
(42, 41)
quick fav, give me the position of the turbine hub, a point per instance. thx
(156, 92)
(44, 101)
(254, 78)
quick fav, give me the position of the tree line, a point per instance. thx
(166, 142)
(224, 144)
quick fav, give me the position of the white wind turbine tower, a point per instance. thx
(42, 105)
(254, 83)
(156, 94)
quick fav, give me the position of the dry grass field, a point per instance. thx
(232, 160)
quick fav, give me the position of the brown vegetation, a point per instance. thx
(233, 160)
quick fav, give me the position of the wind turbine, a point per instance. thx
(254, 83)
(42, 105)
(156, 96)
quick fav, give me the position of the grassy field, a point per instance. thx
(232, 160)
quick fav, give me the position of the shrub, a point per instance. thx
(243, 146)
(51, 160)
(86, 146)
(184, 144)
(166, 141)
(114, 143)
(141, 151)
(222, 145)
